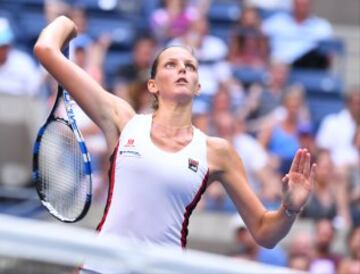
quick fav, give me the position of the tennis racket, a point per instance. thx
(61, 164)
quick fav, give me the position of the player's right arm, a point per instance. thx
(109, 112)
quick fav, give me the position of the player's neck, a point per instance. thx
(173, 118)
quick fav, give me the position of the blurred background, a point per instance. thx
(276, 75)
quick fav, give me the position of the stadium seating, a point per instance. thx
(249, 75)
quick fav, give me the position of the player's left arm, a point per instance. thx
(267, 227)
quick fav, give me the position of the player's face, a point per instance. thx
(177, 75)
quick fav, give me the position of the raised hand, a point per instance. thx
(298, 183)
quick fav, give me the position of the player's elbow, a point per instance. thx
(43, 52)
(266, 242)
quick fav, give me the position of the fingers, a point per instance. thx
(296, 162)
(312, 175)
(301, 162)
(306, 164)
(285, 183)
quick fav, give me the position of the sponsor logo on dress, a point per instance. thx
(129, 149)
(130, 142)
(193, 165)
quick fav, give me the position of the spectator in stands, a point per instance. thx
(299, 262)
(139, 97)
(247, 248)
(341, 144)
(138, 70)
(263, 177)
(329, 199)
(133, 75)
(55, 8)
(351, 264)
(300, 251)
(280, 136)
(211, 52)
(172, 20)
(248, 44)
(294, 37)
(306, 134)
(262, 101)
(270, 5)
(19, 75)
(354, 185)
(325, 260)
(216, 199)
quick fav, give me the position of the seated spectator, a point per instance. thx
(55, 8)
(280, 137)
(270, 5)
(172, 20)
(300, 251)
(341, 144)
(263, 177)
(354, 185)
(216, 199)
(306, 134)
(328, 199)
(351, 263)
(325, 260)
(299, 262)
(262, 101)
(294, 37)
(247, 248)
(19, 75)
(137, 71)
(248, 44)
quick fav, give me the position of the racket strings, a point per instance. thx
(61, 171)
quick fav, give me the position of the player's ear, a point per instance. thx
(152, 86)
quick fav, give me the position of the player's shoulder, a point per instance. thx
(217, 144)
(218, 150)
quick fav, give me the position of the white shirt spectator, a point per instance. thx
(19, 75)
(336, 134)
(271, 4)
(253, 155)
(290, 39)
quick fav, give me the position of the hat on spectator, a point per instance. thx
(6, 34)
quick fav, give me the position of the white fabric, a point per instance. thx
(153, 187)
(290, 40)
(253, 156)
(336, 133)
(19, 74)
(271, 4)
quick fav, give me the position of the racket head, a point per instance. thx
(61, 175)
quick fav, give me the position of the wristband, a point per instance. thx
(290, 212)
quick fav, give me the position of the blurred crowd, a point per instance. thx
(247, 98)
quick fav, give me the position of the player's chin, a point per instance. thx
(184, 97)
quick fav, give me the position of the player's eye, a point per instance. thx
(170, 65)
(190, 67)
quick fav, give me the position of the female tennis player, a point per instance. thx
(161, 163)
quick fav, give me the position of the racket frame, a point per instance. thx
(85, 155)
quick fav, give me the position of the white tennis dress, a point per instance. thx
(153, 192)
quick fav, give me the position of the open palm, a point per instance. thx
(298, 183)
